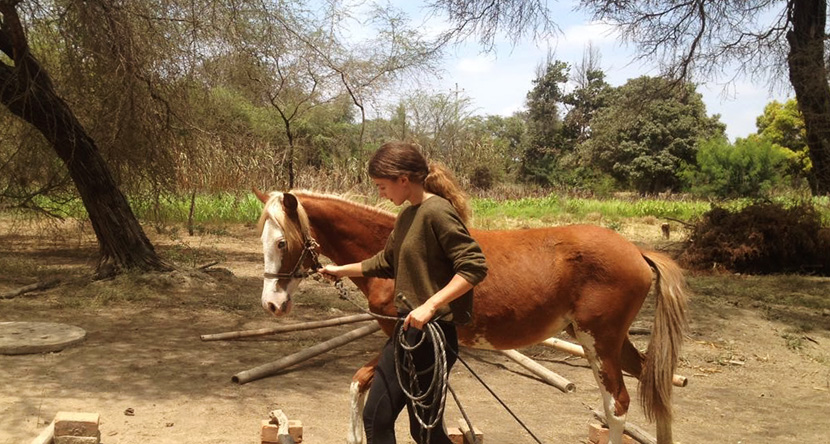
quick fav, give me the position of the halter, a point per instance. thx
(309, 248)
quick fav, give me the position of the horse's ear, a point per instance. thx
(261, 196)
(289, 201)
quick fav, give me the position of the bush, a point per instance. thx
(750, 168)
(762, 238)
(482, 178)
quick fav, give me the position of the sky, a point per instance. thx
(498, 82)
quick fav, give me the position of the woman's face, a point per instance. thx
(397, 190)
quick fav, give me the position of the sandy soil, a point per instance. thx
(752, 380)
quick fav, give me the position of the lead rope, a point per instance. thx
(344, 294)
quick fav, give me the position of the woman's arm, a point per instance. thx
(340, 271)
(457, 286)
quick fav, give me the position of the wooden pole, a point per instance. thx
(288, 327)
(280, 364)
(577, 350)
(46, 435)
(635, 432)
(541, 371)
(43, 285)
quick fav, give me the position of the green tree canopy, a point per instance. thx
(751, 167)
(649, 129)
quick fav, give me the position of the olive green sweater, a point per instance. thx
(429, 245)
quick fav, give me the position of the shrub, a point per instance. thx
(751, 167)
(762, 238)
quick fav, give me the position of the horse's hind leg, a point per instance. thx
(357, 394)
(604, 358)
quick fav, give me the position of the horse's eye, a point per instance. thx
(281, 244)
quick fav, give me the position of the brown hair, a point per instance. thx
(396, 159)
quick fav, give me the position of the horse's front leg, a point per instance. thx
(361, 381)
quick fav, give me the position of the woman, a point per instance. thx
(435, 263)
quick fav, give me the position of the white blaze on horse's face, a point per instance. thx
(276, 293)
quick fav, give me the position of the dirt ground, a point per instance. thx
(759, 372)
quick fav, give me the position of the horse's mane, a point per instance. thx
(293, 233)
(344, 198)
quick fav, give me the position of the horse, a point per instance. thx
(585, 279)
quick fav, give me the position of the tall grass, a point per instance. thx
(219, 208)
(568, 208)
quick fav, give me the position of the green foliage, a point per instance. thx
(544, 121)
(751, 167)
(649, 130)
(579, 208)
(783, 126)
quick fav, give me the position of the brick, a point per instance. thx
(270, 432)
(76, 424)
(295, 429)
(598, 434)
(456, 435)
(77, 439)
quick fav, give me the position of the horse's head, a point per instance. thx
(287, 247)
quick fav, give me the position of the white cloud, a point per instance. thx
(576, 37)
(475, 65)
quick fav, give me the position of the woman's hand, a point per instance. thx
(331, 272)
(335, 272)
(418, 317)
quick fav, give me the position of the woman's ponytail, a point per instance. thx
(441, 181)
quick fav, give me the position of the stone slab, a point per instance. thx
(20, 338)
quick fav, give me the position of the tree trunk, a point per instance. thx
(26, 89)
(808, 75)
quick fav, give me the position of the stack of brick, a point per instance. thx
(598, 434)
(462, 435)
(77, 428)
(270, 432)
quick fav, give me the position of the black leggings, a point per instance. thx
(386, 399)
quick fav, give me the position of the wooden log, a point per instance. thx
(635, 432)
(46, 435)
(43, 285)
(541, 371)
(280, 364)
(288, 327)
(577, 350)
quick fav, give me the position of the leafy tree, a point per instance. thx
(760, 37)
(750, 167)
(26, 89)
(783, 126)
(649, 129)
(544, 120)
(590, 94)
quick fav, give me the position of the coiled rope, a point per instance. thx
(440, 377)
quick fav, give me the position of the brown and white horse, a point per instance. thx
(586, 279)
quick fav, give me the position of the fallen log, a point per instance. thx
(635, 432)
(280, 364)
(577, 350)
(541, 371)
(288, 327)
(43, 285)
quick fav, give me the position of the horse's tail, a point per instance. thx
(670, 326)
